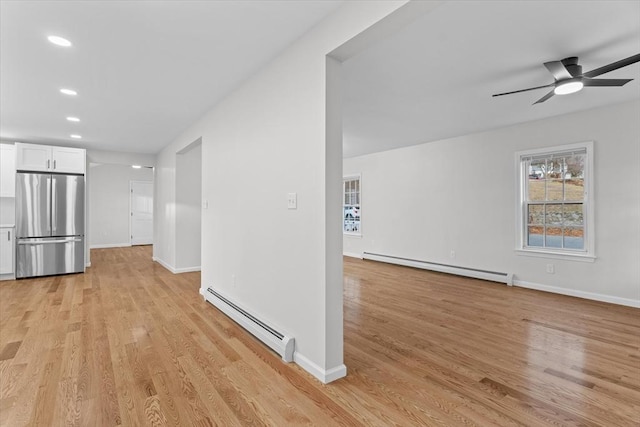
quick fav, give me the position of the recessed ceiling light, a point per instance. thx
(136, 166)
(73, 119)
(59, 41)
(69, 92)
(74, 136)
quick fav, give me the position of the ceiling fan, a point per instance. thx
(569, 77)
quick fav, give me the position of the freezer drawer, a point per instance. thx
(47, 256)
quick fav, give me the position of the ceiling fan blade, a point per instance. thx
(544, 98)
(558, 70)
(613, 66)
(605, 82)
(524, 90)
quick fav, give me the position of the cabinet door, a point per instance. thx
(7, 171)
(68, 160)
(32, 157)
(6, 250)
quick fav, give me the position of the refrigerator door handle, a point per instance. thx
(48, 242)
(48, 209)
(54, 206)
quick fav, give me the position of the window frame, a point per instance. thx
(588, 253)
(344, 180)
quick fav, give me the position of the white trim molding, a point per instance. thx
(164, 264)
(186, 269)
(325, 376)
(352, 255)
(110, 245)
(580, 294)
(173, 269)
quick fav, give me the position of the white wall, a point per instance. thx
(459, 194)
(109, 203)
(270, 137)
(188, 208)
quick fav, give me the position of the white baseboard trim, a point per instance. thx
(186, 269)
(580, 294)
(175, 270)
(352, 255)
(164, 264)
(323, 375)
(110, 245)
(87, 264)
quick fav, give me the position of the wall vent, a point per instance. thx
(494, 276)
(278, 341)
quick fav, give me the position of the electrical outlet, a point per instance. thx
(550, 268)
(452, 254)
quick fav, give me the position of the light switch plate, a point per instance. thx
(292, 201)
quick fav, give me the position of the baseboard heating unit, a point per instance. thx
(278, 341)
(494, 276)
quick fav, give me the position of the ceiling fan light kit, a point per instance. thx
(568, 86)
(569, 77)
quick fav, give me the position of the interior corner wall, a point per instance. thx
(265, 140)
(188, 209)
(459, 194)
(109, 203)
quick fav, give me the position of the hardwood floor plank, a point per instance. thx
(129, 344)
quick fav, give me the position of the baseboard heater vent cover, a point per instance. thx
(494, 276)
(278, 341)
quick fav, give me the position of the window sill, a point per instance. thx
(581, 257)
(350, 234)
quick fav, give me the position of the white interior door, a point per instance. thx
(141, 212)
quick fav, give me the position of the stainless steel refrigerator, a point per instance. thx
(49, 224)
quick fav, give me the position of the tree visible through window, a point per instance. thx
(555, 199)
(351, 205)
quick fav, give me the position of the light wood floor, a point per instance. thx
(129, 343)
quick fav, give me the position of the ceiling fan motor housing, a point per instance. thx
(571, 64)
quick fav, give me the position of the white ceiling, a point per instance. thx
(435, 78)
(144, 70)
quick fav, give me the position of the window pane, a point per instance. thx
(534, 237)
(574, 189)
(573, 215)
(555, 188)
(536, 214)
(574, 238)
(575, 166)
(553, 237)
(536, 180)
(553, 215)
(351, 208)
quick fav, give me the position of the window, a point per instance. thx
(555, 215)
(351, 205)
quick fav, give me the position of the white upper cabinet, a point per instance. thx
(46, 158)
(32, 157)
(7, 170)
(71, 160)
